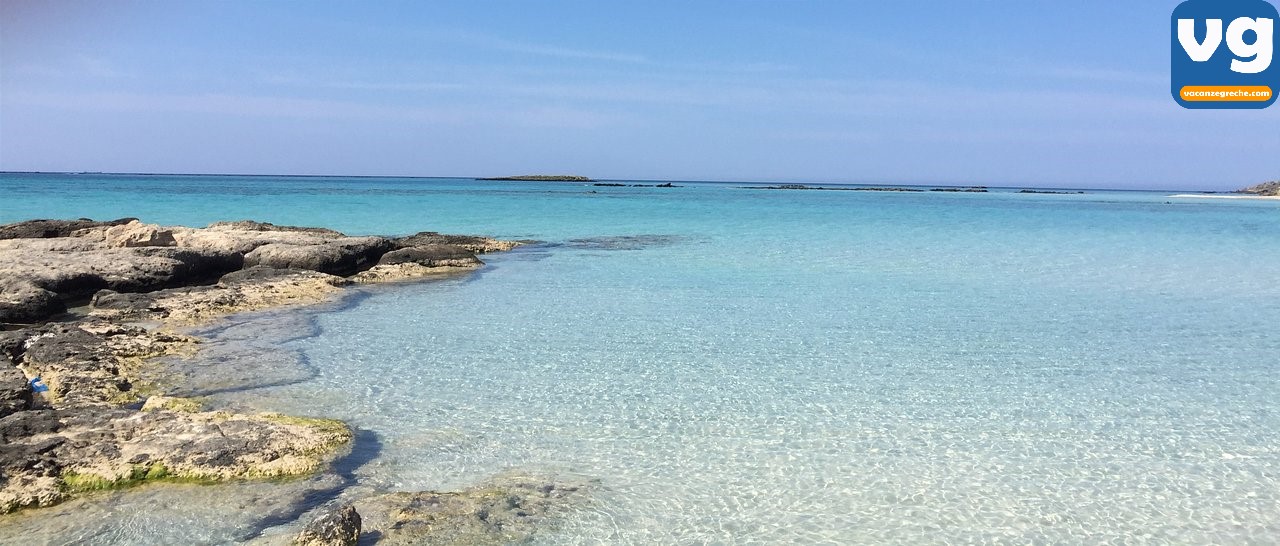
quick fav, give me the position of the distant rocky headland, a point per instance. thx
(88, 308)
(543, 178)
(1265, 189)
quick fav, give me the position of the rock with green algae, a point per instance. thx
(50, 455)
(86, 440)
(172, 403)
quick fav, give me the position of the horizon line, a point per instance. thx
(951, 184)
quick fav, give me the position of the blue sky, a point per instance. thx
(1072, 94)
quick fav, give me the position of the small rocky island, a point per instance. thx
(543, 178)
(87, 307)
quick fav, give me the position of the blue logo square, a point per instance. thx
(1223, 54)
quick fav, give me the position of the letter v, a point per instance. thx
(1200, 52)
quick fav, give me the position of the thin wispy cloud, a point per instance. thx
(252, 106)
(74, 66)
(473, 39)
(1103, 75)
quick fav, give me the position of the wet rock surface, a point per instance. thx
(337, 527)
(625, 242)
(432, 254)
(505, 510)
(419, 261)
(249, 353)
(478, 245)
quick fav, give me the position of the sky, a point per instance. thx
(1060, 94)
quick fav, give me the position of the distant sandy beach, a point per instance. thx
(1208, 196)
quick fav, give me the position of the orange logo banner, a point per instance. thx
(1222, 93)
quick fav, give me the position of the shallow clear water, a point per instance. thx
(754, 366)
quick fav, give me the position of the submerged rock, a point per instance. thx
(508, 509)
(337, 527)
(250, 225)
(406, 271)
(626, 242)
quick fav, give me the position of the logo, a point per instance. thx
(1224, 54)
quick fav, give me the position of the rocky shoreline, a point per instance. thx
(1265, 189)
(90, 308)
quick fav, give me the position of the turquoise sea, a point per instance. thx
(751, 366)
